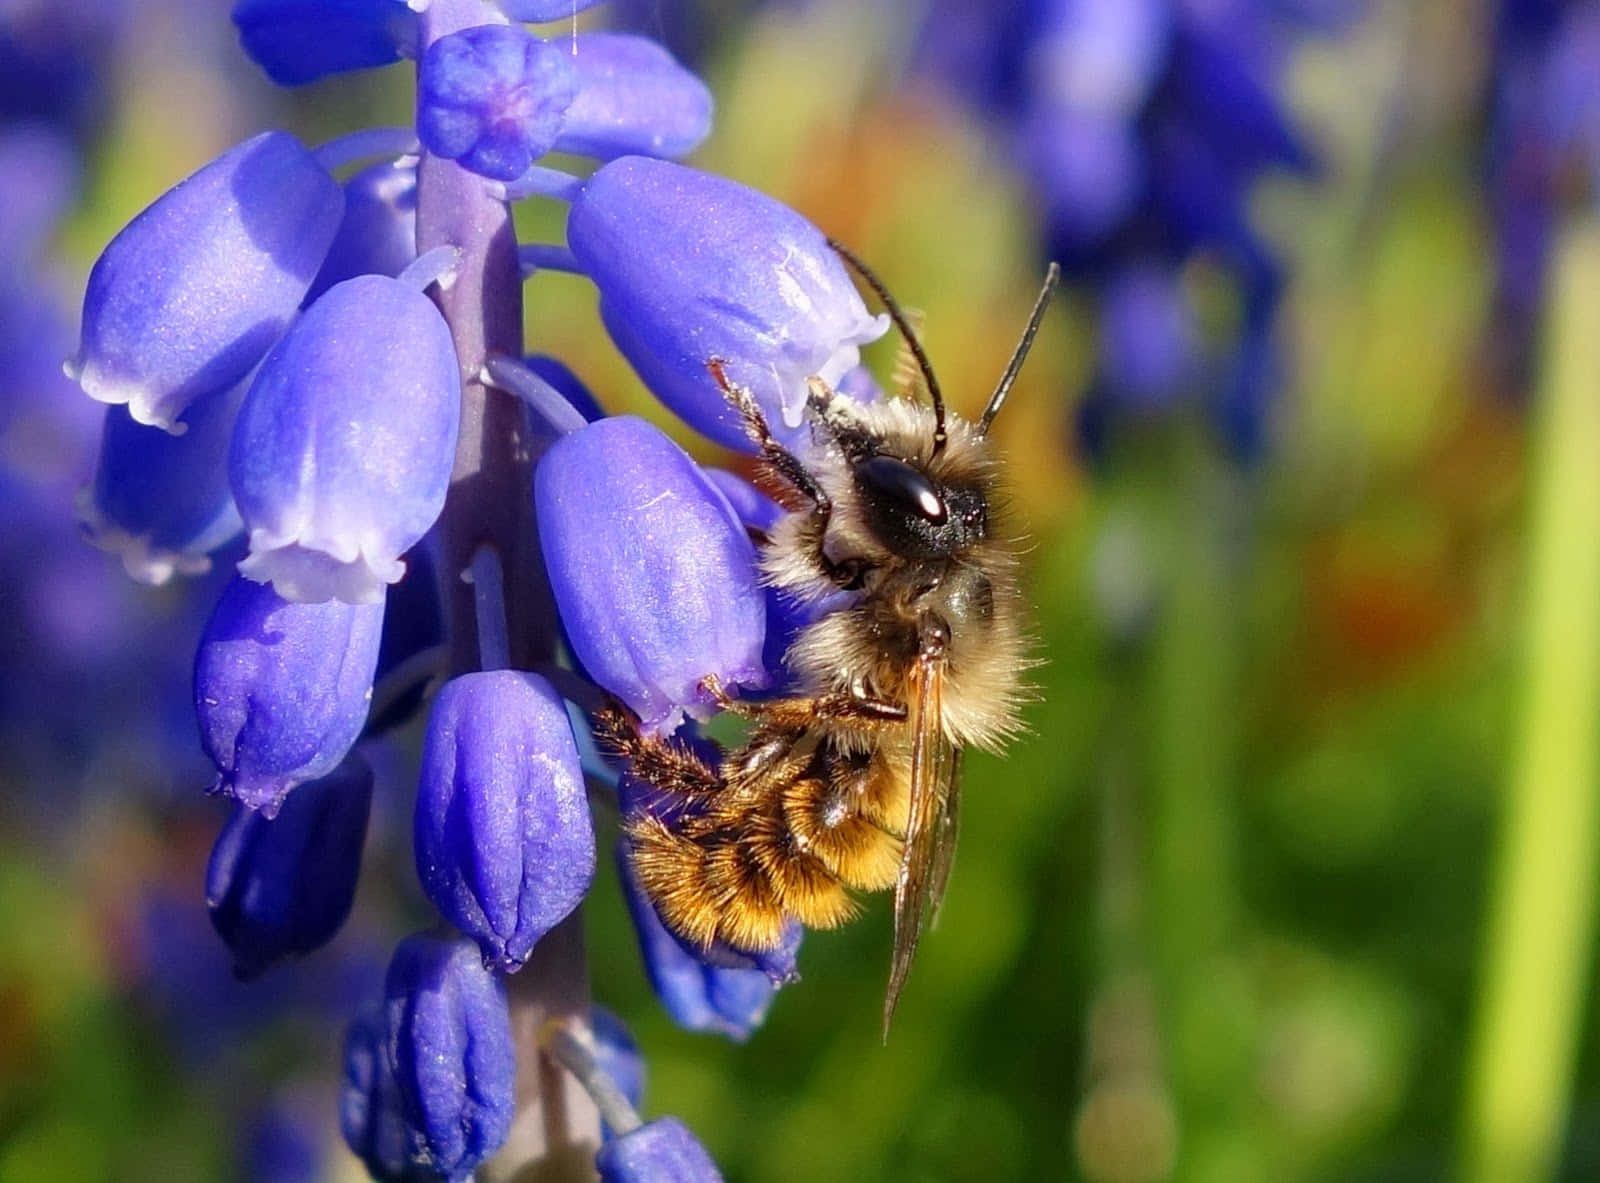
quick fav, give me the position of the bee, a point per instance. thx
(851, 783)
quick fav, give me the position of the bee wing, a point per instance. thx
(930, 826)
(944, 842)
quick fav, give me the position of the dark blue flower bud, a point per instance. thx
(450, 1043)
(492, 98)
(632, 97)
(161, 502)
(378, 235)
(281, 689)
(654, 576)
(729, 1000)
(693, 267)
(540, 11)
(413, 624)
(505, 847)
(661, 1151)
(299, 41)
(283, 887)
(370, 1114)
(195, 290)
(343, 448)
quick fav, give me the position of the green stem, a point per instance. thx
(1541, 921)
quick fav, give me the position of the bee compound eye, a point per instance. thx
(905, 485)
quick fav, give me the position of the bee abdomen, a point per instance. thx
(806, 886)
(831, 827)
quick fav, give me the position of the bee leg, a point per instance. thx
(660, 763)
(870, 713)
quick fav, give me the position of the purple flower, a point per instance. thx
(653, 574)
(191, 294)
(544, 10)
(378, 235)
(729, 999)
(343, 449)
(282, 689)
(505, 847)
(161, 502)
(283, 887)
(633, 97)
(449, 1040)
(371, 1117)
(299, 41)
(661, 1151)
(492, 98)
(618, 1056)
(692, 267)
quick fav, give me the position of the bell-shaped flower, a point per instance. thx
(370, 1114)
(693, 267)
(191, 294)
(281, 689)
(299, 41)
(450, 1042)
(540, 11)
(730, 999)
(504, 843)
(632, 97)
(378, 234)
(492, 98)
(283, 887)
(343, 448)
(161, 502)
(653, 574)
(660, 1151)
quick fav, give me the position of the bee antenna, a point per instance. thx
(1052, 277)
(903, 323)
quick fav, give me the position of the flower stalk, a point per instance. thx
(555, 1124)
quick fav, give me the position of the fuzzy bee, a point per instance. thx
(853, 783)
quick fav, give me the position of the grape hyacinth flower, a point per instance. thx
(282, 689)
(629, 521)
(505, 848)
(1142, 127)
(282, 887)
(333, 335)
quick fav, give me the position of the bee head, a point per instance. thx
(915, 516)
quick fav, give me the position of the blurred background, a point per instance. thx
(1294, 876)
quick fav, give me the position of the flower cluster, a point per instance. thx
(1141, 127)
(316, 355)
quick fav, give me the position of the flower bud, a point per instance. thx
(282, 689)
(505, 846)
(450, 1043)
(195, 289)
(654, 576)
(343, 448)
(730, 1000)
(492, 98)
(161, 502)
(632, 97)
(661, 1151)
(370, 1114)
(282, 888)
(378, 234)
(692, 267)
(299, 41)
(539, 11)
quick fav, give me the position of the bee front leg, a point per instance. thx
(870, 714)
(788, 466)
